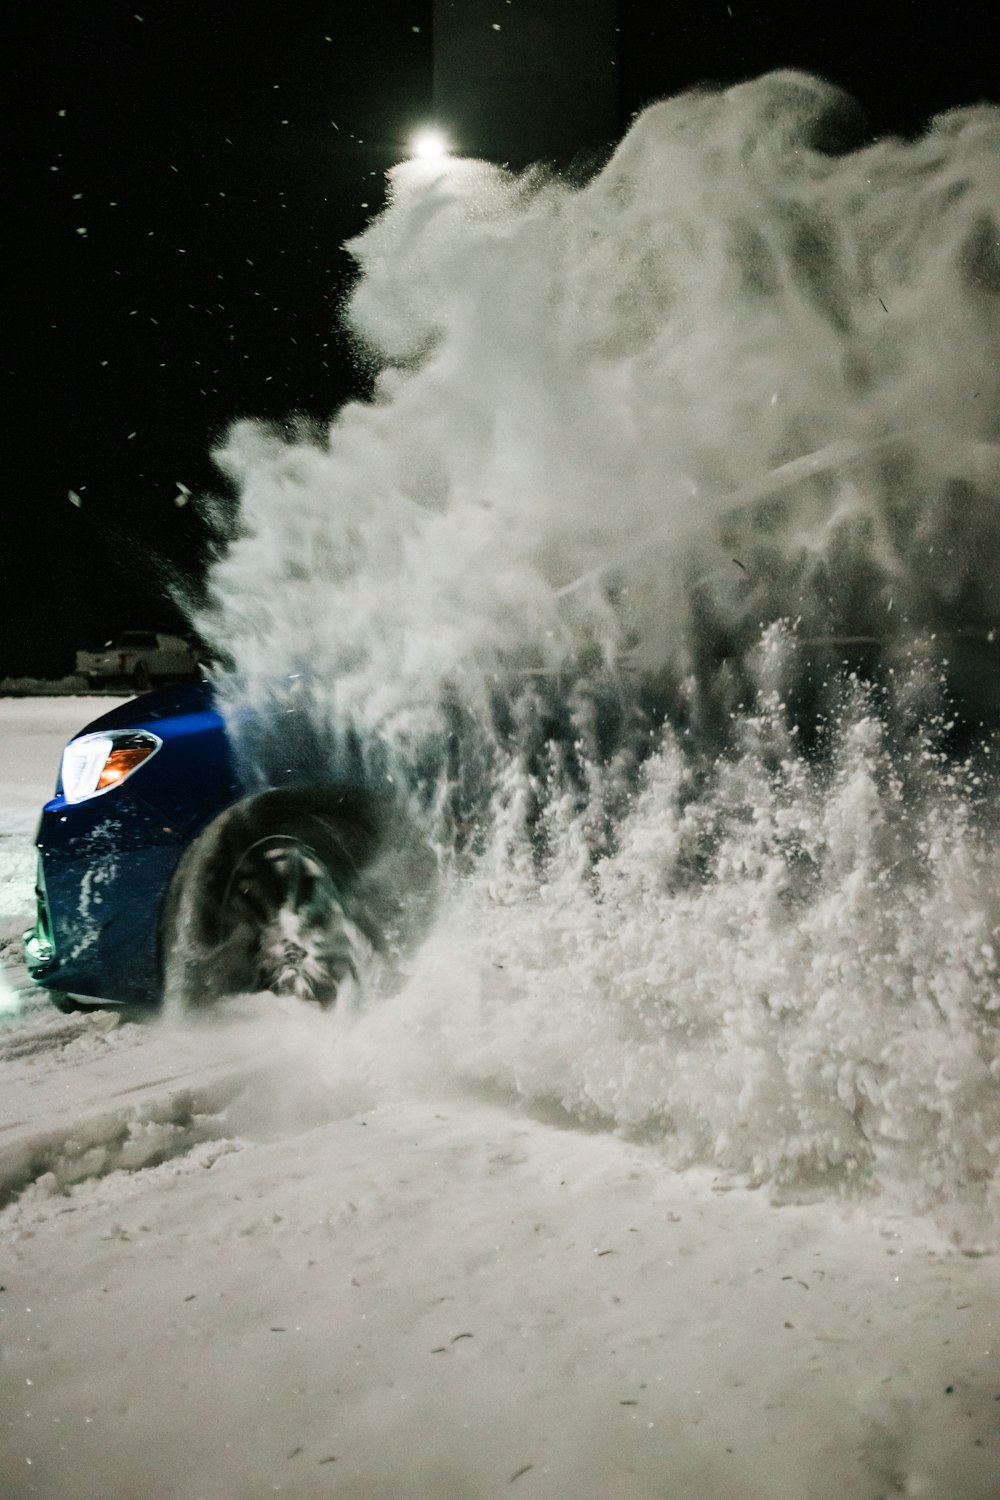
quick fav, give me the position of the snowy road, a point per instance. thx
(282, 1254)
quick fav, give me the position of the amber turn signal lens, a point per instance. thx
(121, 762)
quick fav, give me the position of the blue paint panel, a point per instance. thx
(106, 863)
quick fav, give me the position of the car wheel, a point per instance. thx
(297, 893)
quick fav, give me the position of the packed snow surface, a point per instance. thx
(669, 1168)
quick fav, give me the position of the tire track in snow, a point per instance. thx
(89, 1095)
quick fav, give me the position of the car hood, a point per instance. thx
(149, 709)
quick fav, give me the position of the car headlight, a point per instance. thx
(95, 763)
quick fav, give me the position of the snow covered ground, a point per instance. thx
(287, 1253)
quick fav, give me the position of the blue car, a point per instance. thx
(174, 861)
(188, 855)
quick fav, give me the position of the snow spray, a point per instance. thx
(660, 453)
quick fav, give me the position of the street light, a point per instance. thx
(429, 145)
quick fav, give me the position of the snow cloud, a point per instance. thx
(618, 432)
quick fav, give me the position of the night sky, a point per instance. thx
(180, 178)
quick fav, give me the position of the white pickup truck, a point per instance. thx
(140, 658)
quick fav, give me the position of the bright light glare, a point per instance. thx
(430, 145)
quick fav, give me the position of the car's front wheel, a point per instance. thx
(295, 892)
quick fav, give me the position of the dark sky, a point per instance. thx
(180, 178)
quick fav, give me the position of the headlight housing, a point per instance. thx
(97, 763)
